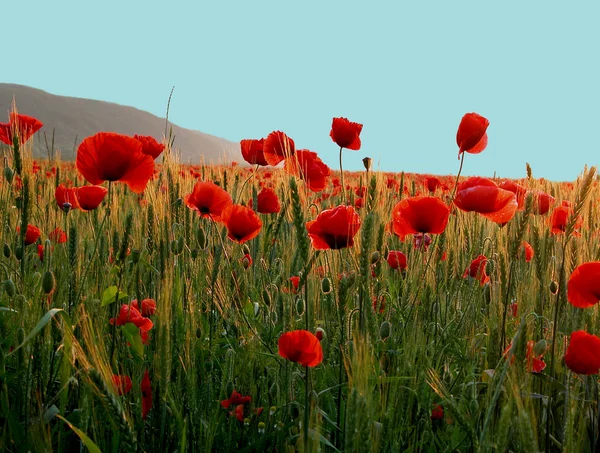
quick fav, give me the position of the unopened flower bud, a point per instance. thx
(320, 334)
(367, 161)
(553, 287)
(385, 330)
(375, 257)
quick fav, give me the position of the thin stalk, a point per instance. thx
(342, 178)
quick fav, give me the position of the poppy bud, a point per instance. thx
(295, 410)
(473, 406)
(9, 287)
(367, 161)
(246, 261)
(7, 251)
(385, 330)
(274, 391)
(320, 334)
(48, 282)
(177, 245)
(9, 174)
(375, 257)
(300, 306)
(540, 347)
(201, 238)
(553, 287)
(194, 253)
(135, 256)
(326, 285)
(19, 252)
(246, 249)
(266, 298)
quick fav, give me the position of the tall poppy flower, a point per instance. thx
(108, 156)
(66, 197)
(208, 199)
(560, 219)
(542, 204)
(267, 201)
(277, 147)
(146, 394)
(150, 146)
(252, 151)
(583, 353)
(477, 270)
(583, 288)
(32, 234)
(419, 215)
(483, 196)
(309, 167)
(346, 134)
(471, 135)
(22, 125)
(396, 260)
(242, 223)
(90, 197)
(301, 346)
(334, 228)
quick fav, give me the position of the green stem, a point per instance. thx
(342, 178)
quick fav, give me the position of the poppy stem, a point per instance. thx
(462, 160)
(244, 185)
(306, 406)
(342, 177)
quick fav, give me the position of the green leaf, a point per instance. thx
(89, 443)
(40, 325)
(132, 333)
(110, 295)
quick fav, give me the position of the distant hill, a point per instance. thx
(74, 119)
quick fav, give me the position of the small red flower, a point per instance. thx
(483, 196)
(528, 251)
(543, 201)
(301, 346)
(40, 252)
(471, 135)
(235, 399)
(242, 223)
(123, 384)
(146, 394)
(334, 228)
(477, 270)
(31, 235)
(107, 156)
(535, 364)
(346, 134)
(252, 151)
(396, 260)
(129, 313)
(420, 215)
(22, 125)
(66, 196)
(208, 200)
(90, 197)
(309, 167)
(295, 281)
(583, 353)
(267, 201)
(278, 147)
(437, 413)
(560, 219)
(583, 288)
(432, 183)
(150, 146)
(58, 236)
(148, 307)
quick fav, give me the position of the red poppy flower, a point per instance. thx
(107, 156)
(90, 197)
(535, 364)
(437, 413)
(583, 288)
(148, 307)
(146, 394)
(208, 199)
(267, 201)
(22, 125)
(518, 190)
(396, 260)
(150, 146)
(40, 252)
(419, 215)
(432, 183)
(66, 196)
(242, 223)
(246, 261)
(58, 236)
(543, 202)
(310, 168)
(302, 347)
(295, 281)
(483, 196)
(131, 314)
(471, 135)
(583, 353)
(346, 134)
(123, 384)
(235, 399)
(277, 147)
(477, 270)
(560, 218)
(252, 151)
(334, 228)
(528, 251)
(32, 234)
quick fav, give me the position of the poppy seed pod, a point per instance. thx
(326, 285)
(553, 287)
(367, 161)
(375, 257)
(9, 174)
(300, 306)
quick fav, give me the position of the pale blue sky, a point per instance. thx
(407, 70)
